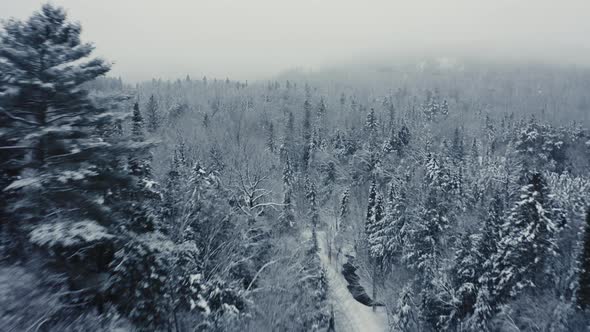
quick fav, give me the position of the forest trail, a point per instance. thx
(349, 315)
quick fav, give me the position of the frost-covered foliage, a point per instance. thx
(69, 234)
(528, 241)
(405, 317)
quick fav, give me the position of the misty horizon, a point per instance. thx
(259, 39)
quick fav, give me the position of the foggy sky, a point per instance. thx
(253, 39)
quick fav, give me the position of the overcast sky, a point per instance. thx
(251, 39)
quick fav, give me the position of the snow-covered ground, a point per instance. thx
(350, 315)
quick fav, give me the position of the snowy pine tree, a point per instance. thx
(583, 292)
(287, 216)
(396, 226)
(482, 312)
(371, 202)
(152, 115)
(270, 138)
(376, 231)
(527, 243)
(71, 195)
(466, 274)
(311, 196)
(406, 312)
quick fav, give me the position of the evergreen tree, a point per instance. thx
(444, 109)
(389, 104)
(152, 115)
(372, 201)
(457, 149)
(371, 127)
(466, 273)
(425, 243)
(475, 153)
(375, 230)
(344, 209)
(342, 100)
(528, 241)
(138, 164)
(311, 196)
(270, 138)
(482, 313)
(70, 198)
(404, 135)
(306, 125)
(583, 292)
(321, 109)
(406, 313)
(287, 216)
(172, 190)
(487, 245)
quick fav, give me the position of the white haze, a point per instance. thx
(253, 39)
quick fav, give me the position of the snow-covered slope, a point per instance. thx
(350, 315)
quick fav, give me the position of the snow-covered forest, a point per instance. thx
(422, 195)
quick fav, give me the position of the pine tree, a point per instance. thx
(51, 115)
(138, 164)
(528, 241)
(482, 313)
(404, 135)
(406, 313)
(311, 196)
(425, 250)
(306, 125)
(487, 245)
(152, 115)
(583, 292)
(321, 109)
(74, 165)
(371, 127)
(372, 201)
(307, 144)
(270, 138)
(457, 149)
(320, 125)
(172, 190)
(475, 154)
(444, 109)
(344, 209)
(466, 273)
(395, 222)
(389, 103)
(287, 216)
(375, 230)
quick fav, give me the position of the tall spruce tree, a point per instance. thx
(152, 115)
(270, 138)
(527, 243)
(287, 216)
(44, 64)
(311, 196)
(375, 230)
(67, 198)
(395, 222)
(371, 205)
(584, 278)
(344, 209)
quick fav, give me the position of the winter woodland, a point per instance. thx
(416, 196)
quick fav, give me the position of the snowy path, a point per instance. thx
(350, 315)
